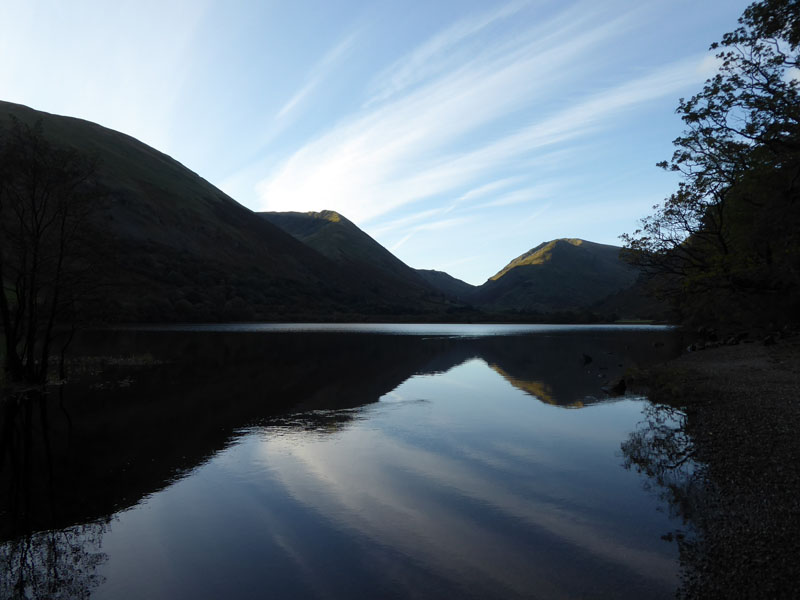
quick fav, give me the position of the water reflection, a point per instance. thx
(352, 464)
(419, 499)
(737, 515)
(661, 449)
(44, 564)
(51, 565)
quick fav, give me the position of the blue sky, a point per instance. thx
(459, 134)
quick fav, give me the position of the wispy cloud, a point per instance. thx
(443, 224)
(443, 133)
(476, 193)
(399, 244)
(436, 54)
(431, 226)
(526, 194)
(486, 189)
(316, 75)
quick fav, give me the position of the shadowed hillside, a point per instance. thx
(179, 249)
(447, 284)
(176, 248)
(338, 239)
(557, 276)
(182, 249)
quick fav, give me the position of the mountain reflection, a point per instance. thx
(166, 402)
(100, 445)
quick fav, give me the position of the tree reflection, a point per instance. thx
(53, 564)
(37, 560)
(663, 450)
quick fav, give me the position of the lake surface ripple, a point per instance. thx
(307, 461)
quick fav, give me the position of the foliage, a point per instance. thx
(46, 252)
(726, 244)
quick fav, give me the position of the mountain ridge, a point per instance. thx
(183, 250)
(338, 239)
(186, 251)
(446, 283)
(563, 274)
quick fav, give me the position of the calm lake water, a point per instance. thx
(338, 461)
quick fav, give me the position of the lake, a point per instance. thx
(336, 461)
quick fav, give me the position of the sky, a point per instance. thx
(457, 133)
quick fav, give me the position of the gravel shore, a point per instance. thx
(742, 407)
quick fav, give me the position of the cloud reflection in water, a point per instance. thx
(433, 482)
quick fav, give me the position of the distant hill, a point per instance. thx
(339, 240)
(560, 275)
(447, 284)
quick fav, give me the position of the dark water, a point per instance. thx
(336, 462)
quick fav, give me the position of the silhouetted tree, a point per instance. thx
(730, 234)
(46, 197)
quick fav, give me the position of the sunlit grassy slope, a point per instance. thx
(563, 274)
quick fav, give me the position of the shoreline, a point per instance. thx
(742, 500)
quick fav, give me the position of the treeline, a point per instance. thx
(725, 247)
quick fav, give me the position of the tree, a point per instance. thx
(47, 194)
(731, 231)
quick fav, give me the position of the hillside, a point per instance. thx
(637, 301)
(560, 275)
(447, 284)
(176, 248)
(339, 240)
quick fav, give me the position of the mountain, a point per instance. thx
(176, 248)
(447, 284)
(560, 275)
(181, 249)
(339, 240)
